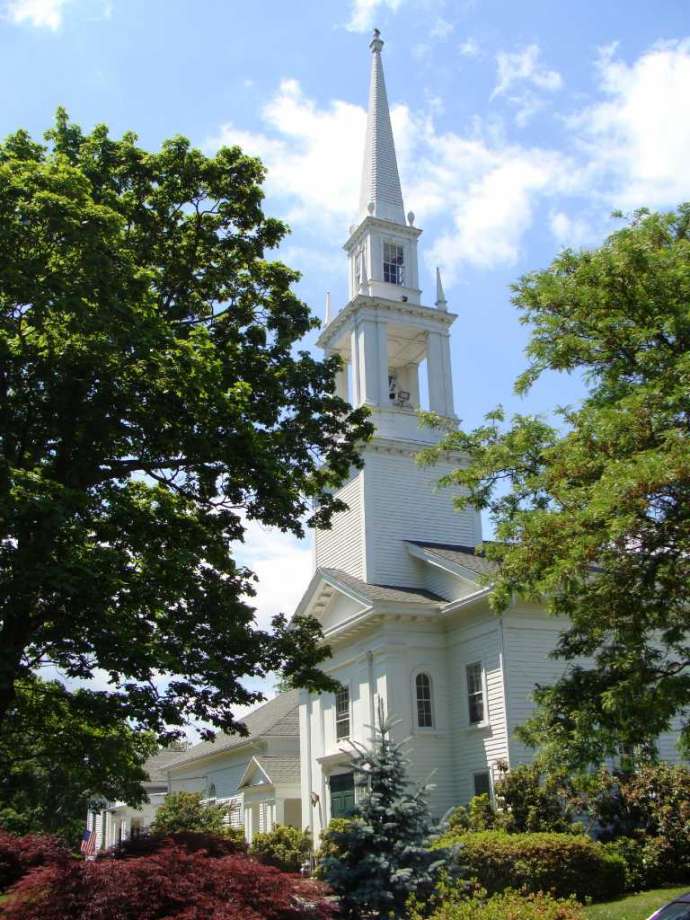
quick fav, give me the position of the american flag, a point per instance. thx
(88, 843)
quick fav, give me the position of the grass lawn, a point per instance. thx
(634, 906)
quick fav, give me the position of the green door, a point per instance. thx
(342, 794)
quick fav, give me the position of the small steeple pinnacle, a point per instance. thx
(380, 179)
(327, 317)
(441, 301)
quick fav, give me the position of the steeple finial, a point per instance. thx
(380, 179)
(441, 301)
(327, 312)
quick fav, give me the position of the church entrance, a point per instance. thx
(342, 786)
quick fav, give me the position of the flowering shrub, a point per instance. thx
(563, 864)
(284, 847)
(169, 884)
(18, 855)
(507, 906)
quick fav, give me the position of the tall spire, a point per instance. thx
(441, 301)
(381, 195)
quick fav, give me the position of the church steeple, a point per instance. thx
(380, 194)
(384, 334)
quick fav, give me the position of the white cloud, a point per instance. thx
(363, 15)
(314, 156)
(441, 28)
(469, 48)
(43, 14)
(522, 78)
(525, 67)
(283, 566)
(571, 231)
(638, 138)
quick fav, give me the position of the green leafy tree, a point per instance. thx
(185, 811)
(152, 400)
(61, 750)
(380, 857)
(592, 516)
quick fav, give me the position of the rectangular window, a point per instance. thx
(342, 714)
(393, 264)
(475, 692)
(482, 783)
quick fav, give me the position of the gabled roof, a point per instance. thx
(277, 768)
(465, 556)
(393, 593)
(278, 717)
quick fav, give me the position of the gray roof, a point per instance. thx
(280, 768)
(157, 765)
(465, 556)
(277, 717)
(394, 593)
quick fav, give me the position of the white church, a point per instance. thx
(398, 588)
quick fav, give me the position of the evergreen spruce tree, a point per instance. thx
(380, 857)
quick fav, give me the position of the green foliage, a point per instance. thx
(60, 750)
(532, 801)
(592, 516)
(378, 858)
(509, 905)
(184, 811)
(564, 864)
(647, 814)
(329, 846)
(639, 871)
(153, 401)
(284, 847)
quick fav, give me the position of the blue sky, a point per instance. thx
(519, 127)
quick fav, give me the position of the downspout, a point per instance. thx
(370, 675)
(504, 681)
(309, 802)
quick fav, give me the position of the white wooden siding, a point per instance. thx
(476, 748)
(402, 503)
(342, 547)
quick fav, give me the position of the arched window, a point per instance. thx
(425, 717)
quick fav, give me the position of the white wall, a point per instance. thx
(342, 547)
(402, 503)
(475, 638)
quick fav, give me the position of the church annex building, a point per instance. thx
(398, 589)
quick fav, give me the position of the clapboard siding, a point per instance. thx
(476, 748)
(342, 547)
(443, 583)
(403, 502)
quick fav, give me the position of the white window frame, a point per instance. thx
(415, 707)
(346, 689)
(485, 695)
(399, 269)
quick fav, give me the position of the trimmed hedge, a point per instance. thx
(563, 864)
(507, 906)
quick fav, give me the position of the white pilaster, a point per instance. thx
(434, 364)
